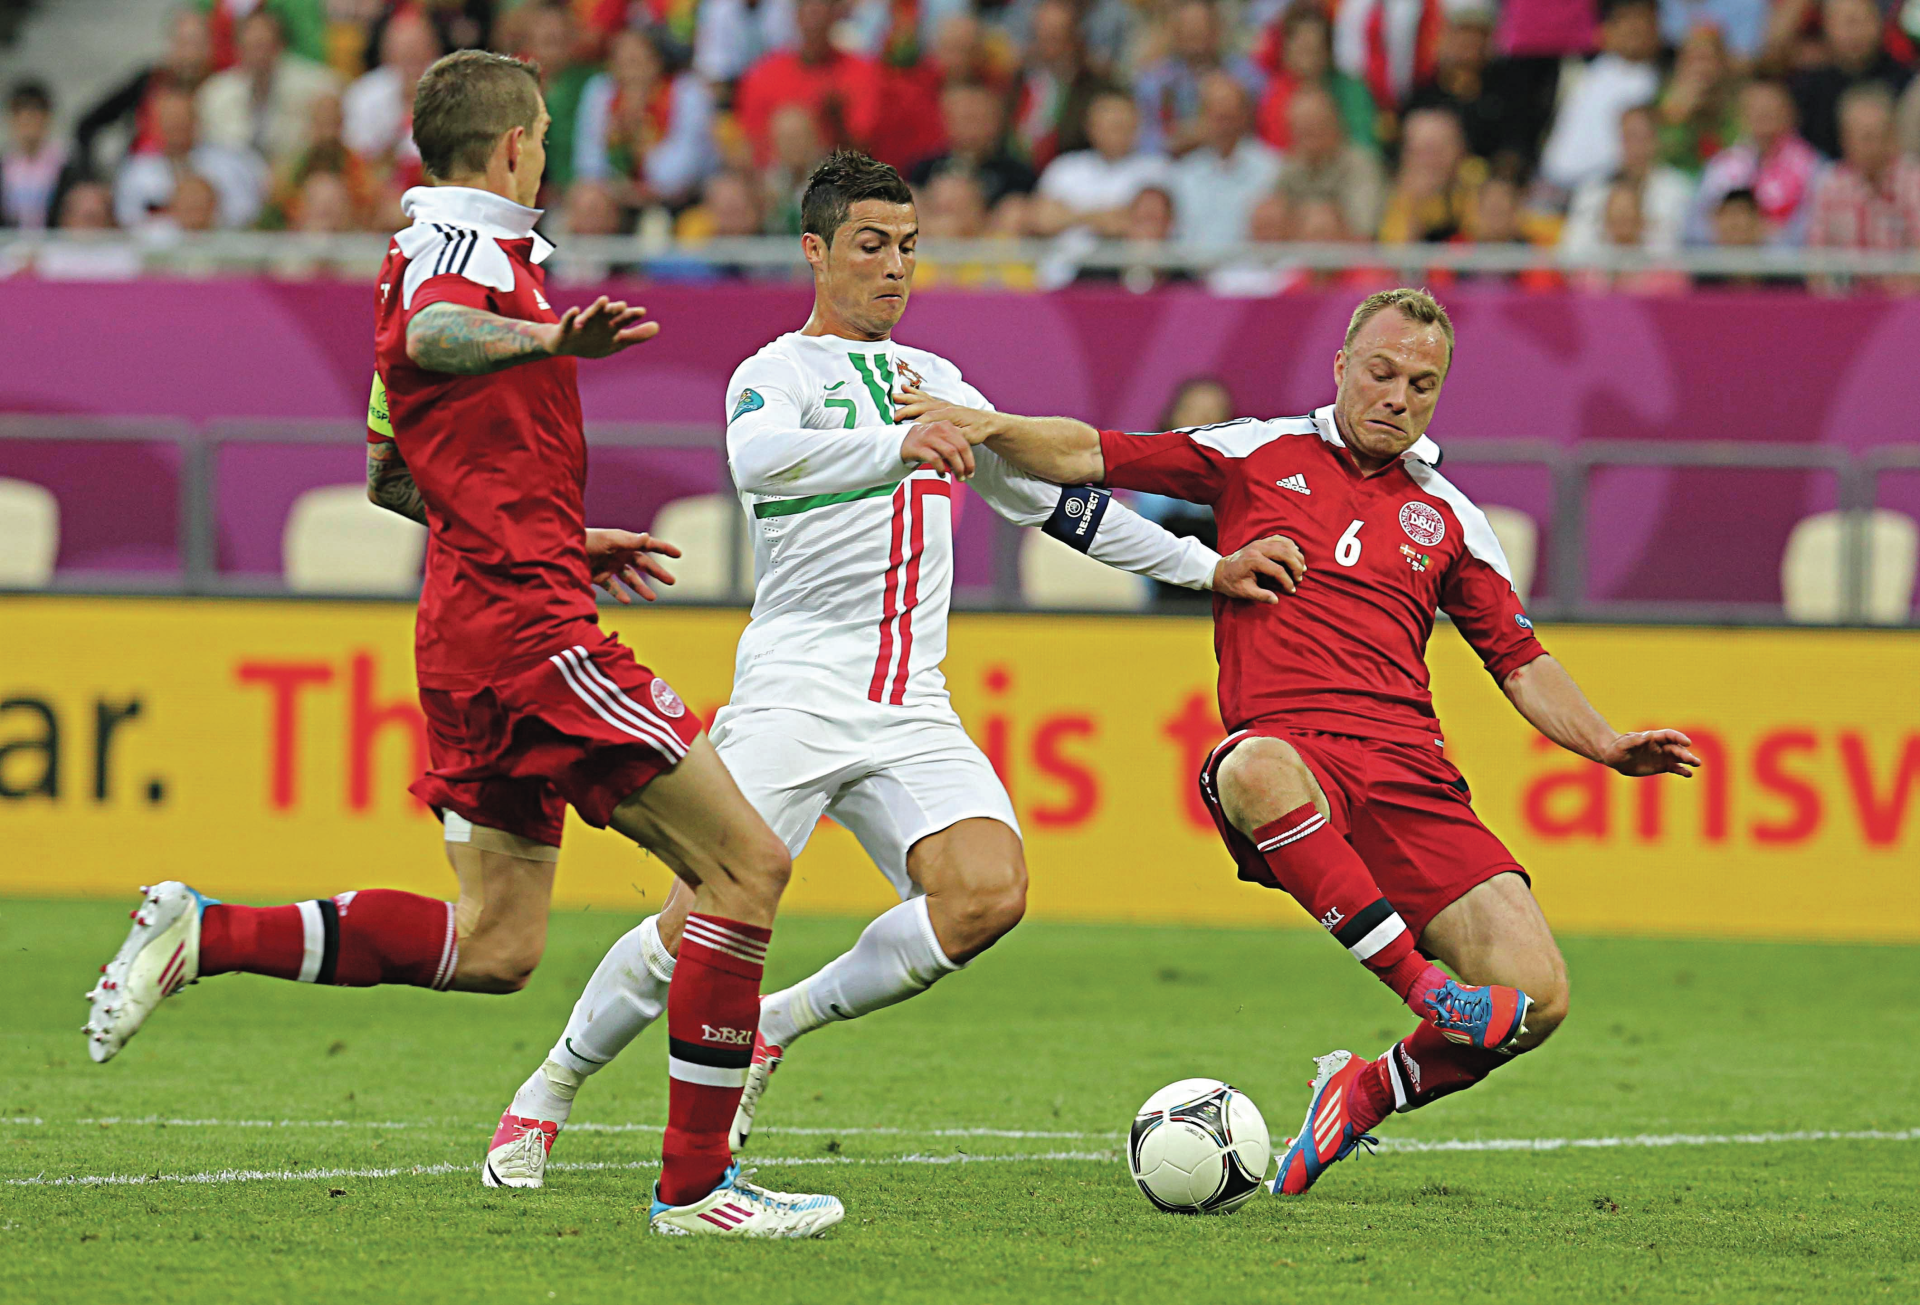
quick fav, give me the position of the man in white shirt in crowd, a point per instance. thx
(143, 190)
(1217, 183)
(1665, 194)
(1092, 188)
(262, 103)
(1585, 142)
(378, 107)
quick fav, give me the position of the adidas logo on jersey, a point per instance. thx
(541, 299)
(1296, 482)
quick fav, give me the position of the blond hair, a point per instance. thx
(1414, 305)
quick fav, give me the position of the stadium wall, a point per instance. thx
(262, 749)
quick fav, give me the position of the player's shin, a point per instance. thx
(352, 940)
(1323, 873)
(712, 1005)
(1420, 1068)
(628, 991)
(896, 956)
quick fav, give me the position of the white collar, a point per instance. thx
(490, 214)
(1422, 449)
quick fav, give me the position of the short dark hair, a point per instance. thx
(1739, 195)
(843, 179)
(30, 94)
(465, 103)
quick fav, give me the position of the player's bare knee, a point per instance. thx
(1263, 779)
(497, 967)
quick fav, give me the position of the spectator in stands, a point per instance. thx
(975, 119)
(87, 206)
(1740, 25)
(729, 208)
(303, 24)
(1218, 182)
(262, 102)
(1196, 401)
(1465, 81)
(647, 133)
(1698, 110)
(1737, 224)
(1535, 39)
(1432, 196)
(836, 87)
(460, 24)
(327, 206)
(1856, 55)
(195, 205)
(378, 106)
(1770, 159)
(185, 65)
(954, 207)
(797, 149)
(1391, 45)
(1093, 188)
(326, 152)
(1870, 199)
(1057, 86)
(145, 184)
(35, 167)
(593, 209)
(1298, 53)
(734, 35)
(1324, 164)
(1585, 142)
(1906, 119)
(1167, 91)
(553, 40)
(1664, 195)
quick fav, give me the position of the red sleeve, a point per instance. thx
(448, 288)
(1173, 464)
(1487, 611)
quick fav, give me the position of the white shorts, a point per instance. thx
(886, 779)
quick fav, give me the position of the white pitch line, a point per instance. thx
(159, 1121)
(1648, 1140)
(411, 1171)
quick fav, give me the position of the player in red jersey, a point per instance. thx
(475, 431)
(1333, 783)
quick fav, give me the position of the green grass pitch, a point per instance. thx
(1057, 1035)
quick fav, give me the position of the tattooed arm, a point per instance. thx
(445, 337)
(390, 484)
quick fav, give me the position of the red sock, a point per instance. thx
(713, 1007)
(354, 940)
(1421, 1067)
(1323, 873)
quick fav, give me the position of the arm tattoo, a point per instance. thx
(390, 484)
(465, 341)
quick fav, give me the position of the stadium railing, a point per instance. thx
(1055, 261)
(1571, 469)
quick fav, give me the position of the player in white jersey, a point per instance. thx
(839, 707)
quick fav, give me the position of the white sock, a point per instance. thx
(627, 992)
(897, 956)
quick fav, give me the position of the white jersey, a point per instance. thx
(853, 548)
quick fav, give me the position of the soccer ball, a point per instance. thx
(1199, 1147)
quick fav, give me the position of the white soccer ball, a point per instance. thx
(1199, 1147)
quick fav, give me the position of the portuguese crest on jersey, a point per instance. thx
(1423, 523)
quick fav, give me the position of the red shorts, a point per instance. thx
(585, 728)
(1403, 808)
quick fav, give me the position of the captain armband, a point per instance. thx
(1076, 517)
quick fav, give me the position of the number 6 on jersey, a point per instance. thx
(1347, 551)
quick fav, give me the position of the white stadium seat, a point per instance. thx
(1520, 540)
(336, 542)
(29, 535)
(1055, 575)
(1812, 577)
(699, 527)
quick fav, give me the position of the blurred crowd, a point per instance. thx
(1645, 124)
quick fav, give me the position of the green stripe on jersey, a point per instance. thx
(786, 507)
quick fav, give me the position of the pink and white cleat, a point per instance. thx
(766, 1059)
(517, 1156)
(160, 956)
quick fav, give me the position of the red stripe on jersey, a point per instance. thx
(915, 551)
(884, 661)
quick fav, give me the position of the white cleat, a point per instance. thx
(738, 1208)
(160, 956)
(518, 1156)
(766, 1059)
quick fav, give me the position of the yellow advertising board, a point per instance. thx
(261, 750)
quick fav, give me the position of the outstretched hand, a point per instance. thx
(1262, 571)
(941, 445)
(1651, 752)
(622, 560)
(917, 405)
(604, 327)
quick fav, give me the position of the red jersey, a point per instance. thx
(1347, 653)
(501, 460)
